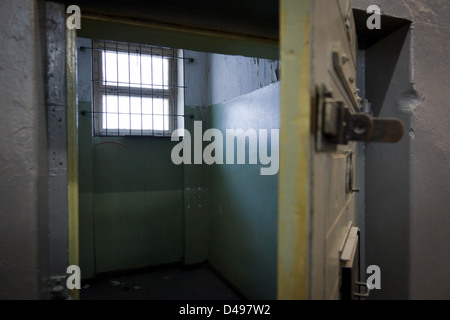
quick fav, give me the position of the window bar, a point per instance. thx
(174, 89)
(171, 92)
(163, 91)
(139, 89)
(170, 75)
(105, 112)
(117, 91)
(129, 85)
(140, 77)
(153, 96)
(182, 88)
(93, 92)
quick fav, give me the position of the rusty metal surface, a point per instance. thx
(338, 125)
(364, 128)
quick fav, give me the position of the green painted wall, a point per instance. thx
(86, 192)
(137, 203)
(149, 211)
(244, 204)
(131, 201)
(196, 197)
(138, 209)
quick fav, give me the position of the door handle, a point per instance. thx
(362, 127)
(336, 124)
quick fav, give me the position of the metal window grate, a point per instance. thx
(138, 90)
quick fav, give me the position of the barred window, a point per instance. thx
(138, 89)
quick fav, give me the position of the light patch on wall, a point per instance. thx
(409, 101)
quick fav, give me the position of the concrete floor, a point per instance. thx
(173, 283)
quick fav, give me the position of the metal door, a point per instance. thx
(321, 122)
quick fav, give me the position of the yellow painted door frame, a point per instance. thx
(316, 209)
(72, 154)
(295, 150)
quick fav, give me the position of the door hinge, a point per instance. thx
(337, 125)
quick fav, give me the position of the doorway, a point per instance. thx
(138, 209)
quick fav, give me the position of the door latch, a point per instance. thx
(337, 125)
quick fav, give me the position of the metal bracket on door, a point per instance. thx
(337, 125)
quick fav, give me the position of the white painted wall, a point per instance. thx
(218, 78)
(429, 215)
(195, 78)
(23, 167)
(233, 76)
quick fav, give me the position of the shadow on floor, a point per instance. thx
(172, 283)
